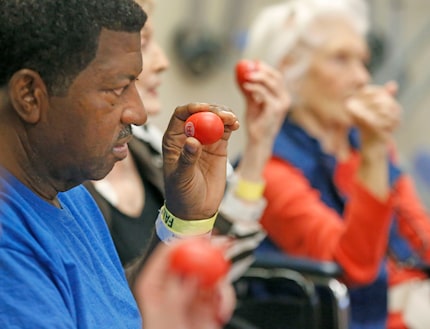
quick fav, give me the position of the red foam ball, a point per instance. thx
(207, 127)
(243, 68)
(198, 258)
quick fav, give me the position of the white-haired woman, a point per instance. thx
(334, 189)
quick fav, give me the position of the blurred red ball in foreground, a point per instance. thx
(243, 68)
(197, 257)
(207, 127)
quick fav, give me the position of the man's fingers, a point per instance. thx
(190, 154)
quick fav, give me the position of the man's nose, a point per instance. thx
(134, 112)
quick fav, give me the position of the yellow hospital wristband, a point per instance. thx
(186, 227)
(249, 191)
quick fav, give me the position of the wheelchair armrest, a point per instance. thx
(425, 268)
(306, 266)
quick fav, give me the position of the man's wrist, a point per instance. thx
(169, 227)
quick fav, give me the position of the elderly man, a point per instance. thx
(67, 102)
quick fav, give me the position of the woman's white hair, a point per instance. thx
(279, 28)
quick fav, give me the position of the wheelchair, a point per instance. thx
(279, 291)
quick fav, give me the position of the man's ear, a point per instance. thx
(28, 94)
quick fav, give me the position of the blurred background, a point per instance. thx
(203, 40)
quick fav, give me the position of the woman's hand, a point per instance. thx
(267, 104)
(376, 112)
(167, 300)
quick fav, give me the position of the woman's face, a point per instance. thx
(337, 69)
(154, 62)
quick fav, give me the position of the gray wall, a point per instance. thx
(399, 22)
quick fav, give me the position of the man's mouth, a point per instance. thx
(120, 149)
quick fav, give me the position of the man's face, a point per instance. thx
(90, 125)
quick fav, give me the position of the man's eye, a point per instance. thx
(118, 91)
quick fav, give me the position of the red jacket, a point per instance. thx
(301, 224)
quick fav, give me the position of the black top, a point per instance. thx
(131, 235)
(134, 236)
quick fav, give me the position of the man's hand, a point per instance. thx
(195, 174)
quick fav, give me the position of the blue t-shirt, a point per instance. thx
(59, 267)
